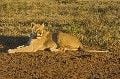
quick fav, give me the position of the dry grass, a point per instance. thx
(52, 65)
(95, 23)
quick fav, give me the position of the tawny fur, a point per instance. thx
(46, 40)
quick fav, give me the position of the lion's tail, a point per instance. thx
(86, 50)
(97, 50)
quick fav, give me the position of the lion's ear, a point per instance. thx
(43, 25)
(33, 27)
(33, 24)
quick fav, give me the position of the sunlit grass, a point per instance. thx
(95, 23)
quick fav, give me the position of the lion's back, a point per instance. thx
(67, 40)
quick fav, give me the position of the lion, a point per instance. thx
(61, 41)
(54, 41)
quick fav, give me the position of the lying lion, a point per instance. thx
(53, 41)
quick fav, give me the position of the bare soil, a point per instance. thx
(59, 65)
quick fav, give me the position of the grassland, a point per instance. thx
(96, 23)
(52, 65)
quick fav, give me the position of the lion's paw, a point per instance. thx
(11, 51)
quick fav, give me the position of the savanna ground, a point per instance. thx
(95, 23)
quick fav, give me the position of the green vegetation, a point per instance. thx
(95, 23)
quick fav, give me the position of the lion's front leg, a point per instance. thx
(22, 49)
(11, 51)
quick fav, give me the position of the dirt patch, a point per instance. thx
(58, 65)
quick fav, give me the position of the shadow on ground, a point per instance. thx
(10, 42)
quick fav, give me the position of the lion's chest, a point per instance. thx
(37, 43)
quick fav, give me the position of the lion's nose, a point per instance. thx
(39, 34)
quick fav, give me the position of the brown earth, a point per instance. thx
(58, 65)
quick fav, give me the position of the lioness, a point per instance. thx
(53, 41)
(60, 40)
